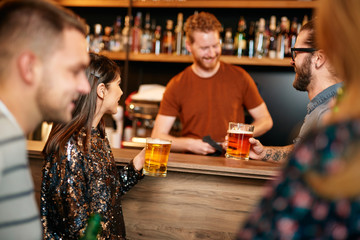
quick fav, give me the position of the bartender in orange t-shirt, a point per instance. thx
(209, 94)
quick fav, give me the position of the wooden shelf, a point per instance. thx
(188, 59)
(192, 3)
(94, 3)
(225, 3)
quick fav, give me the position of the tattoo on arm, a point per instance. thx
(276, 155)
(267, 155)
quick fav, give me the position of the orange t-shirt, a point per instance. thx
(205, 106)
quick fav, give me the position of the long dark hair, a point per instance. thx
(100, 70)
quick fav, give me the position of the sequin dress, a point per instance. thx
(291, 209)
(80, 184)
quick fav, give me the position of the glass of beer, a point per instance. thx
(156, 157)
(238, 140)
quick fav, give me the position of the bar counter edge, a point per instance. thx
(191, 163)
(202, 197)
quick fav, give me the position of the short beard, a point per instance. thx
(303, 75)
(203, 66)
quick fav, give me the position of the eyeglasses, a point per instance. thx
(294, 50)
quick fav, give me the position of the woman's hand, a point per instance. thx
(139, 160)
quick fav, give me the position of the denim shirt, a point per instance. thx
(316, 109)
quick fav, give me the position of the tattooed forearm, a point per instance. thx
(267, 155)
(277, 154)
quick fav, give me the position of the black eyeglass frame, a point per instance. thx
(294, 50)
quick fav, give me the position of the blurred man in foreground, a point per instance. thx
(42, 61)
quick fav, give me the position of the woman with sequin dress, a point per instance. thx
(317, 195)
(79, 175)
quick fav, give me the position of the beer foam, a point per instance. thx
(157, 141)
(239, 131)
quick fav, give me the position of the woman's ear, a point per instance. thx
(100, 90)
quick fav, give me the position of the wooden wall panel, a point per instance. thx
(189, 206)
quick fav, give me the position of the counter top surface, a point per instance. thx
(179, 162)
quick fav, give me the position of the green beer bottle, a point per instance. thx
(93, 227)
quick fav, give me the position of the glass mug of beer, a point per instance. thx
(238, 140)
(156, 157)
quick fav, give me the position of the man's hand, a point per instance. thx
(198, 146)
(269, 153)
(257, 150)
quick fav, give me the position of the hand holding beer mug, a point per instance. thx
(238, 140)
(156, 157)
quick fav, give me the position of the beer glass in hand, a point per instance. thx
(156, 157)
(238, 140)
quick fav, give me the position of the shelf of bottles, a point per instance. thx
(259, 44)
(192, 3)
(252, 44)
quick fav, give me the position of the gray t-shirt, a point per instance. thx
(19, 213)
(316, 109)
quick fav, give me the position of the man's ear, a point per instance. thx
(188, 45)
(320, 58)
(100, 90)
(27, 67)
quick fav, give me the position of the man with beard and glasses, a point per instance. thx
(315, 75)
(43, 58)
(209, 94)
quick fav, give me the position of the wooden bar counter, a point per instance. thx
(202, 197)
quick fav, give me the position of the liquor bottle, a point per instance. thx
(179, 34)
(136, 33)
(107, 37)
(126, 37)
(221, 39)
(305, 20)
(168, 41)
(293, 34)
(228, 44)
(146, 38)
(93, 228)
(184, 50)
(282, 39)
(272, 38)
(157, 40)
(89, 37)
(251, 39)
(287, 43)
(240, 38)
(115, 40)
(260, 40)
(97, 44)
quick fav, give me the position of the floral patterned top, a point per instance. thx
(291, 209)
(79, 184)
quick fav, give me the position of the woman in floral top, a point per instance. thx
(317, 195)
(79, 175)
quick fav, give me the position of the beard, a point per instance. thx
(200, 61)
(303, 75)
